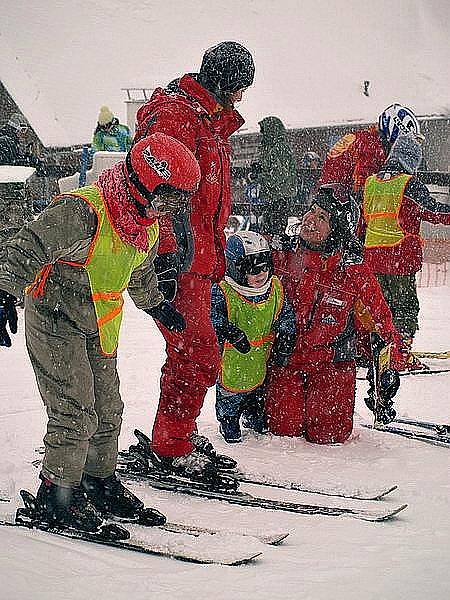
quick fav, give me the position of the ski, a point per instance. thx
(424, 372)
(172, 483)
(350, 493)
(440, 355)
(429, 371)
(429, 438)
(442, 429)
(271, 539)
(138, 453)
(203, 548)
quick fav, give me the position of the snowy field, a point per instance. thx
(323, 558)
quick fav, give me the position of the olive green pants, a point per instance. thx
(401, 295)
(80, 390)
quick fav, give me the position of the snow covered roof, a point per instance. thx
(10, 174)
(62, 61)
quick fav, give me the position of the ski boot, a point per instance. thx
(230, 430)
(202, 444)
(196, 465)
(66, 507)
(112, 499)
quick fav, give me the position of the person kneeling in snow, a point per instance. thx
(74, 261)
(252, 321)
(329, 289)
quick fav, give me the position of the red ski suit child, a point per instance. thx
(189, 113)
(314, 395)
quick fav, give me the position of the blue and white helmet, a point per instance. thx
(247, 252)
(397, 119)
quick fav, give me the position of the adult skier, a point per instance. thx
(395, 203)
(329, 290)
(74, 261)
(361, 153)
(197, 109)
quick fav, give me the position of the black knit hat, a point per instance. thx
(226, 68)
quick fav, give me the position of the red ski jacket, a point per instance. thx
(353, 158)
(189, 113)
(332, 300)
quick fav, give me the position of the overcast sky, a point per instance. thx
(61, 60)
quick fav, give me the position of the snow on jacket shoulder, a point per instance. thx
(190, 114)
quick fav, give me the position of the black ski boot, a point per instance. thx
(66, 507)
(222, 462)
(198, 468)
(230, 429)
(254, 420)
(112, 499)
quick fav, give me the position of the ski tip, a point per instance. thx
(393, 512)
(385, 492)
(276, 539)
(243, 560)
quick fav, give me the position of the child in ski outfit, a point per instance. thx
(252, 321)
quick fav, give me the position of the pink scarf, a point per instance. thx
(125, 219)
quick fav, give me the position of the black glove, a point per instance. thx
(166, 269)
(168, 316)
(282, 348)
(8, 316)
(235, 336)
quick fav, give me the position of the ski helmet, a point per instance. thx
(160, 160)
(247, 252)
(226, 68)
(397, 119)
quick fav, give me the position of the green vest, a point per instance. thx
(109, 265)
(245, 372)
(381, 204)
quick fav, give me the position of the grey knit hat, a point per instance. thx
(18, 121)
(408, 152)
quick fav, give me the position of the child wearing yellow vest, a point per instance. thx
(253, 322)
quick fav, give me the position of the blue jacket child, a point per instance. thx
(253, 322)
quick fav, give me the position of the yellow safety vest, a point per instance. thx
(245, 372)
(381, 206)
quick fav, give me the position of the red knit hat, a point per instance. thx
(160, 159)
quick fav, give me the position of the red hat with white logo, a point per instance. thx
(160, 159)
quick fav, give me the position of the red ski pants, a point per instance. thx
(318, 404)
(191, 367)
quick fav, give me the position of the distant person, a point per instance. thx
(110, 135)
(330, 290)
(395, 203)
(277, 177)
(361, 153)
(13, 148)
(253, 323)
(310, 164)
(310, 160)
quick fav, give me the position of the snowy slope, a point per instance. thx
(62, 60)
(323, 558)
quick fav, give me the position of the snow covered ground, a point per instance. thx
(323, 558)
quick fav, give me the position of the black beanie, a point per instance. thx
(226, 68)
